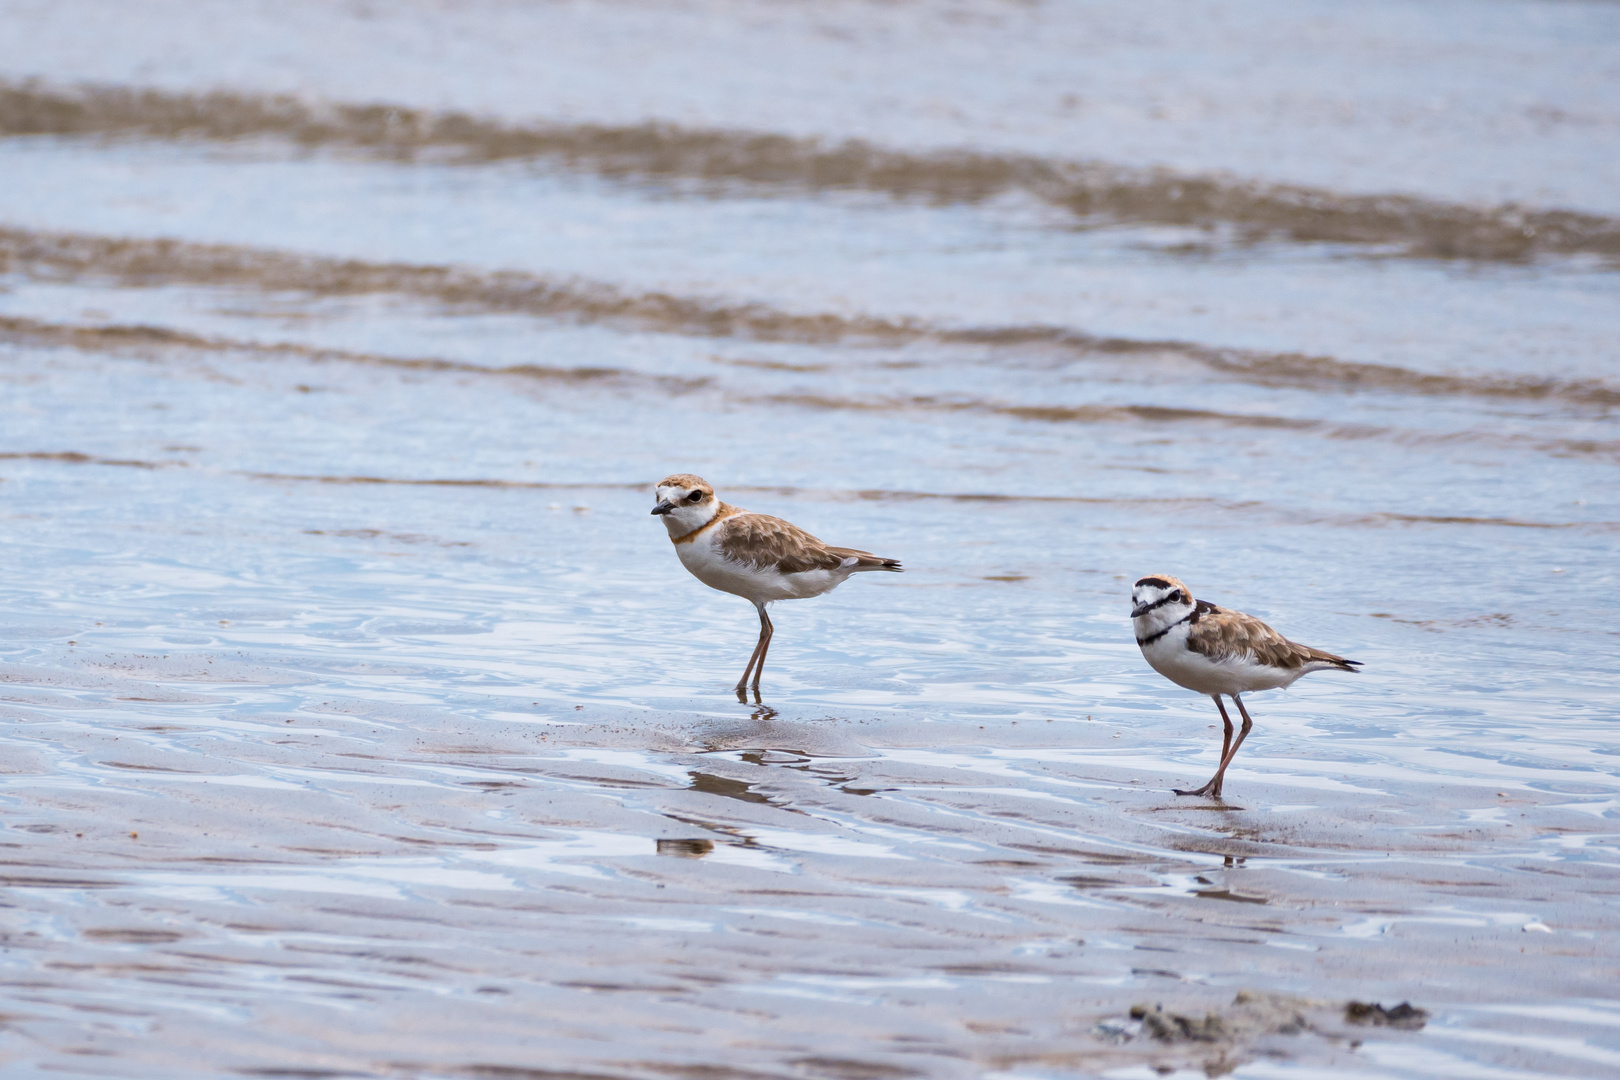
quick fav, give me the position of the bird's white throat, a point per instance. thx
(685, 518)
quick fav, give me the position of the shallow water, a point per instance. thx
(356, 720)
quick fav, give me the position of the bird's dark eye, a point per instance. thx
(695, 496)
(1175, 597)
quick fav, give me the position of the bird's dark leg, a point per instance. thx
(753, 657)
(766, 632)
(1214, 787)
(756, 662)
(1243, 733)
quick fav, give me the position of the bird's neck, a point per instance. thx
(684, 522)
(1153, 625)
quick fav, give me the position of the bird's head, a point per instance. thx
(1159, 600)
(685, 502)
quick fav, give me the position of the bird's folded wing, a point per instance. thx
(764, 542)
(864, 560)
(1223, 635)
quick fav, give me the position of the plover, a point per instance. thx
(755, 556)
(1213, 651)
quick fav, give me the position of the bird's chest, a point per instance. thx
(703, 558)
(1170, 657)
(1236, 673)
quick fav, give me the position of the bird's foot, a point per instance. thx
(1208, 791)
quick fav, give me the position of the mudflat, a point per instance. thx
(357, 720)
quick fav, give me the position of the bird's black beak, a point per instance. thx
(1136, 612)
(664, 507)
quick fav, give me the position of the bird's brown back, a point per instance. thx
(1224, 635)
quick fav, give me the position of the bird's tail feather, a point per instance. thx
(1328, 660)
(865, 560)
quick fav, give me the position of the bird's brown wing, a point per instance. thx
(1231, 635)
(762, 541)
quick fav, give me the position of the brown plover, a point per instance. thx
(755, 556)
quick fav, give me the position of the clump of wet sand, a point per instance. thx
(1225, 1037)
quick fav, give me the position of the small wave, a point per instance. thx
(1092, 191)
(1160, 414)
(1169, 504)
(1498, 522)
(141, 339)
(1322, 372)
(1152, 413)
(1057, 414)
(73, 457)
(137, 337)
(154, 262)
(149, 262)
(446, 482)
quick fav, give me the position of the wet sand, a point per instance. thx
(356, 719)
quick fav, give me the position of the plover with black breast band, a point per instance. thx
(755, 556)
(1213, 651)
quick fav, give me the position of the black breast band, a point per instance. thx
(1151, 638)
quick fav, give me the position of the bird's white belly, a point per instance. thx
(761, 585)
(1170, 657)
